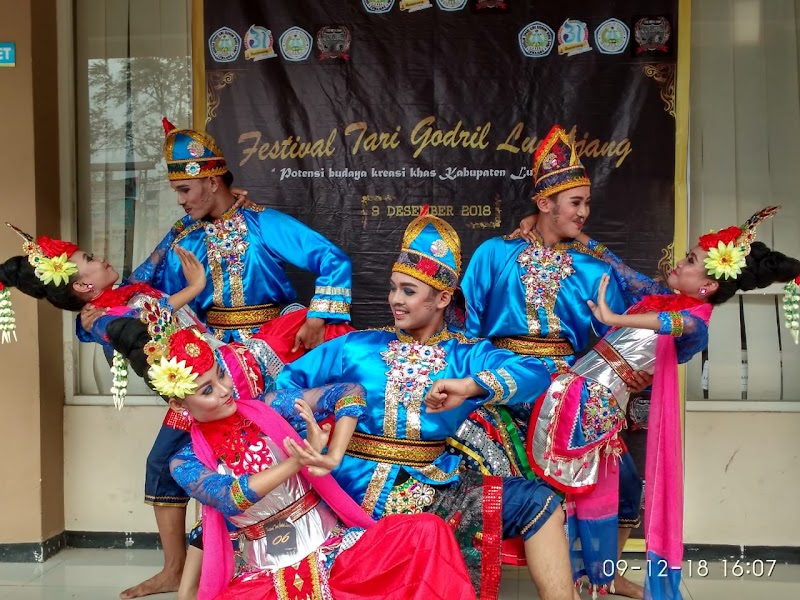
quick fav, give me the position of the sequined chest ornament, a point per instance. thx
(225, 241)
(411, 365)
(543, 270)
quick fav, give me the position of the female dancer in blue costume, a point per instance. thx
(300, 535)
(573, 440)
(68, 278)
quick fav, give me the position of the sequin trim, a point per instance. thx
(538, 516)
(347, 401)
(327, 290)
(492, 535)
(543, 270)
(235, 317)
(616, 361)
(239, 498)
(533, 346)
(411, 365)
(337, 307)
(394, 450)
(490, 380)
(376, 484)
(409, 498)
(671, 323)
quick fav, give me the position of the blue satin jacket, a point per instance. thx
(396, 373)
(515, 288)
(245, 253)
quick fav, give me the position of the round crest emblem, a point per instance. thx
(196, 148)
(378, 6)
(333, 41)
(258, 42)
(224, 45)
(652, 34)
(536, 40)
(295, 44)
(612, 36)
(439, 248)
(192, 168)
(573, 38)
(451, 5)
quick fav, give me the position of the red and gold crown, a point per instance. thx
(556, 166)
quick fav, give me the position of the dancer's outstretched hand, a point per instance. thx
(310, 452)
(601, 310)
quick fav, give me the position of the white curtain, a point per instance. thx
(133, 66)
(745, 154)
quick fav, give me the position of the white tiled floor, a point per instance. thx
(103, 574)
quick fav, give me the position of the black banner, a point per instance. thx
(352, 114)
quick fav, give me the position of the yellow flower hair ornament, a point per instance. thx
(56, 270)
(726, 260)
(172, 378)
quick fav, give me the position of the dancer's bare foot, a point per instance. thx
(159, 583)
(625, 587)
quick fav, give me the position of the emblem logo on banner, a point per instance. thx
(451, 5)
(415, 5)
(612, 36)
(333, 41)
(499, 5)
(258, 42)
(295, 44)
(536, 40)
(652, 34)
(573, 38)
(224, 45)
(378, 6)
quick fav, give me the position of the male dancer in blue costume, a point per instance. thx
(244, 250)
(530, 297)
(397, 461)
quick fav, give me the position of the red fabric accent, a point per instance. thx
(491, 539)
(410, 557)
(167, 125)
(797, 280)
(427, 266)
(111, 298)
(237, 442)
(514, 552)
(243, 369)
(545, 140)
(424, 211)
(665, 303)
(53, 248)
(280, 332)
(210, 165)
(185, 345)
(176, 420)
(726, 236)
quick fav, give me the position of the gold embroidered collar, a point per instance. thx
(440, 336)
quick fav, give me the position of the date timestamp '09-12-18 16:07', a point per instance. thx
(694, 568)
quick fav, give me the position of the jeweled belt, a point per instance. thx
(414, 453)
(615, 360)
(294, 511)
(241, 317)
(535, 346)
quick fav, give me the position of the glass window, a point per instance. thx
(132, 67)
